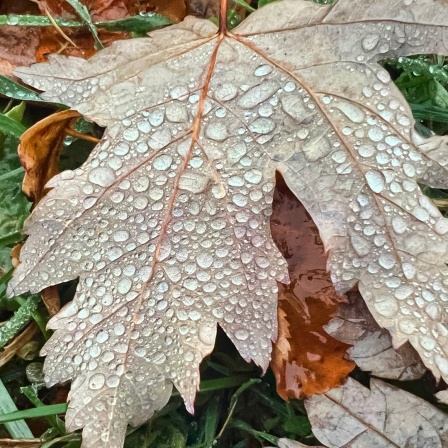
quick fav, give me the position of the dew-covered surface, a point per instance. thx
(353, 415)
(167, 223)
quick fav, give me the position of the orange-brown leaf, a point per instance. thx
(39, 151)
(51, 299)
(306, 360)
(18, 342)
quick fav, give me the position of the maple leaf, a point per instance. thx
(354, 416)
(372, 346)
(306, 359)
(167, 223)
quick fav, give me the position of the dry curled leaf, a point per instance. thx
(352, 416)
(167, 223)
(372, 346)
(17, 344)
(39, 151)
(305, 359)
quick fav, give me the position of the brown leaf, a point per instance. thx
(381, 416)
(17, 343)
(39, 151)
(51, 299)
(15, 254)
(305, 360)
(17, 47)
(372, 349)
(17, 43)
(166, 225)
(21, 443)
(204, 8)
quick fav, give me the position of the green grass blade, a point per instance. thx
(140, 24)
(420, 66)
(18, 428)
(38, 317)
(14, 90)
(244, 5)
(31, 392)
(31, 20)
(432, 113)
(9, 126)
(42, 411)
(18, 320)
(83, 12)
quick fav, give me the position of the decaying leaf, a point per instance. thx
(17, 47)
(372, 346)
(51, 299)
(17, 344)
(305, 359)
(384, 416)
(39, 151)
(167, 223)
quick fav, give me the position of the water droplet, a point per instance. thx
(375, 180)
(102, 176)
(263, 70)
(262, 126)
(241, 334)
(217, 131)
(131, 134)
(386, 306)
(97, 381)
(193, 182)
(162, 162)
(226, 92)
(370, 42)
(257, 94)
(124, 285)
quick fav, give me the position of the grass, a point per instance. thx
(236, 407)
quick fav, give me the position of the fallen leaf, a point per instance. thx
(174, 10)
(17, 44)
(167, 223)
(39, 151)
(204, 8)
(305, 359)
(15, 255)
(104, 10)
(17, 344)
(372, 346)
(51, 299)
(384, 416)
(17, 47)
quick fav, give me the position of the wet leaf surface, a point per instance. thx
(384, 416)
(372, 346)
(167, 223)
(305, 359)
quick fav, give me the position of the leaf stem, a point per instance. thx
(223, 17)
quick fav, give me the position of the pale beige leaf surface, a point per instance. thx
(372, 348)
(167, 223)
(383, 416)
